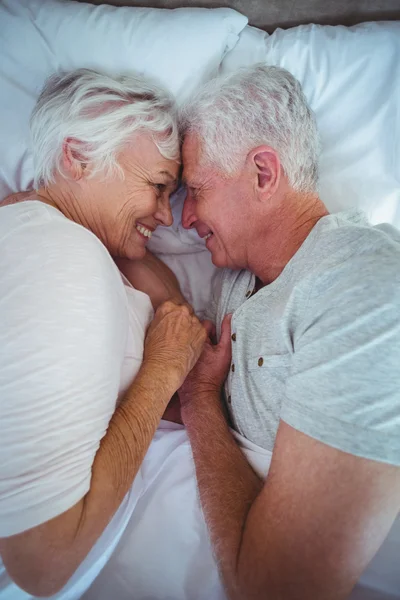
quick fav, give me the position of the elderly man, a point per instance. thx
(312, 348)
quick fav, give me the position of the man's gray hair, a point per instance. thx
(256, 105)
(98, 115)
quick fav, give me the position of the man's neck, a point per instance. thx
(285, 236)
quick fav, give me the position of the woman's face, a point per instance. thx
(125, 211)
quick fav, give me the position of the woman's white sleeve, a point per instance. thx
(63, 333)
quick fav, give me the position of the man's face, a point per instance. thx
(220, 208)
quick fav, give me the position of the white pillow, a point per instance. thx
(181, 48)
(249, 50)
(352, 82)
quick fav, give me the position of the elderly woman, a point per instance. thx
(82, 389)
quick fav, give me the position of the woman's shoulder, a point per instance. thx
(36, 230)
(42, 246)
(34, 217)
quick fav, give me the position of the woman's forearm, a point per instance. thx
(128, 437)
(65, 540)
(153, 277)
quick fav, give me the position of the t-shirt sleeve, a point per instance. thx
(62, 340)
(344, 385)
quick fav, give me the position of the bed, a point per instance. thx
(351, 77)
(269, 15)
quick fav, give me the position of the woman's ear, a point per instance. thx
(73, 158)
(267, 168)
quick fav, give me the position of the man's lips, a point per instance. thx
(209, 238)
(203, 231)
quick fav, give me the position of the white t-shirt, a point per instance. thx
(71, 342)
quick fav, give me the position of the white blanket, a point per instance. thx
(165, 553)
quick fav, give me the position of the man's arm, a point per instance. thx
(311, 530)
(42, 559)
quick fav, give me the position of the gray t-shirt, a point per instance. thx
(319, 347)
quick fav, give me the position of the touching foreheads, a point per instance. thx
(255, 106)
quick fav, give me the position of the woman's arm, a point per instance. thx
(151, 276)
(42, 559)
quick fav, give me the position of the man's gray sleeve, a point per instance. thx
(344, 385)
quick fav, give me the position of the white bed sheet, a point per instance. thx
(165, 553)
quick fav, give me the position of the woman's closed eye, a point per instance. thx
(160, 187)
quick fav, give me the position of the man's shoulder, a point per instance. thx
(357, 256)
(350, 234)
(349, 254)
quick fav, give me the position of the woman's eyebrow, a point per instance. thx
(167, 174)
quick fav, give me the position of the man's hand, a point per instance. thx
(209, 373)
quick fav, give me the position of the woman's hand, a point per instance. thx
(174, 341)
(211, 370)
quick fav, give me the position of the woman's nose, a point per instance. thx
(164, 212)
(188, 213)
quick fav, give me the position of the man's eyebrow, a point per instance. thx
(192, 184)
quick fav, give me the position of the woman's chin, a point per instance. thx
(137, 252)
(132, 252)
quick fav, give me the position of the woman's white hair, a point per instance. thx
(256, 105)
(98, 115)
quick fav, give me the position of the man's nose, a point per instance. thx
(188, 213)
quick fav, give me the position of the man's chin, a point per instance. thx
(217, 261)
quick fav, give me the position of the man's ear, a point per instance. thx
(73, 158)
(267, 167)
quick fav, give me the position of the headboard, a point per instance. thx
(269, 14)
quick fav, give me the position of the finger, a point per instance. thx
(166, 307)
(190, 307)
(225, 339)
(186, 309)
